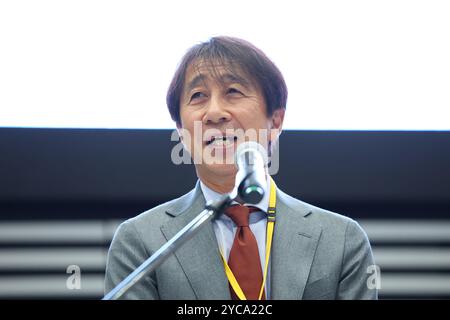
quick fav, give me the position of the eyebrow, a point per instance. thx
(195, 82)
(225, 78)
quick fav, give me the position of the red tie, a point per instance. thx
(244, 259)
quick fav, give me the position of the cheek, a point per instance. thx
(253, 120)
(192, 136)
(188, 118)
(187, 122)
(184, 116)
(255, 125)
(253, 114)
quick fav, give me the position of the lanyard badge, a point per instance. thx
(270, 225)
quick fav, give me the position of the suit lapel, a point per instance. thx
(294, 245)
(199, 257)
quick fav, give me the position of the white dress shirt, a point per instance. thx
(225, 228)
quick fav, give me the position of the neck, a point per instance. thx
(220, 184)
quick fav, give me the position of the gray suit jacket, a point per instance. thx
(316, 254)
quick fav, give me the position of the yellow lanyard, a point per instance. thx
(270, 224)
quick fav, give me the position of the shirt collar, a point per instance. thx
(211, 195)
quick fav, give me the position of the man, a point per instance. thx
(221, 88)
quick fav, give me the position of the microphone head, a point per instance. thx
(250, 146)
(251, 159)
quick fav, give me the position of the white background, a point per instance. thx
(364, 65)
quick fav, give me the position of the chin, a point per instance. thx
(222, 169)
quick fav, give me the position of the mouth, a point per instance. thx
(221, 141)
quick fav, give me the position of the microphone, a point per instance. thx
(250, 182)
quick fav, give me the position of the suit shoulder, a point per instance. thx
(324, 217)
(334, 225)
(156, 216)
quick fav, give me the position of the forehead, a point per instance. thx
(202, 72)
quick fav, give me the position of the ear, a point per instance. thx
(276, 124)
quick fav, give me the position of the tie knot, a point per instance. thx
(240, 214)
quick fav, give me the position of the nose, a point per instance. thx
(216, 112)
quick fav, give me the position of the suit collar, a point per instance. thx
(199, 257)
(184, 203)
(294, 245)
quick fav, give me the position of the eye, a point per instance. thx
(197, 95)
(233, 91)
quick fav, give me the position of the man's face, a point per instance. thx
(219, 110)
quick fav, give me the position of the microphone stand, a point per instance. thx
(211, 210)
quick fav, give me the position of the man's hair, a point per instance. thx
(232, 53)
